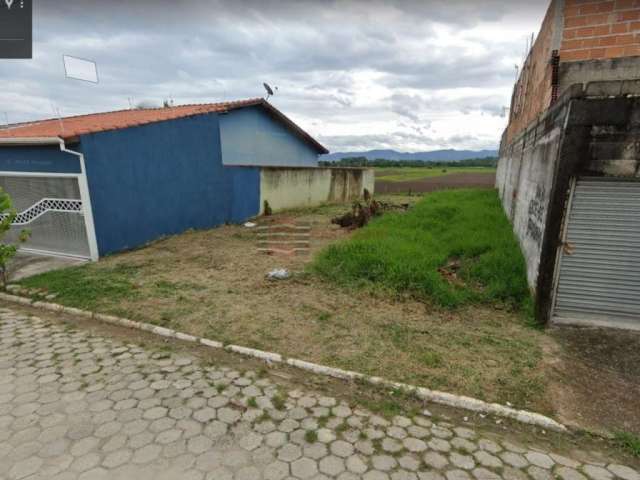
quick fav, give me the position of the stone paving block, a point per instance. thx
(100, 409)
(624, 472)
(568, 473)
(384, 462)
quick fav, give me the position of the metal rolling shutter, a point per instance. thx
(599, 273)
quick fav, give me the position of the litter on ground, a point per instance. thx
(278, 274)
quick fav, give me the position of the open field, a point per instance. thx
(424, 179)
(392, 174)
(213, 283)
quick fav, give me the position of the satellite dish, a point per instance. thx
(268, 89)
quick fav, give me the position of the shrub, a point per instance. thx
(8, 250)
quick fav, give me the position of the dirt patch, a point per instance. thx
(430, 184)
(596, 378)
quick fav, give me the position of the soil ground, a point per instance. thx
(595, 378)
(430, 184)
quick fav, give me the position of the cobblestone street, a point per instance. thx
(78, 406)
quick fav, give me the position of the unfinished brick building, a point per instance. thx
(569, 167)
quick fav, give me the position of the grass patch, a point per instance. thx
(629, 442)
(393, 174)
(310, 436)
(404, 252)
(86, 286)
(278, 402)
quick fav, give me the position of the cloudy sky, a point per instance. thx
(409, 75)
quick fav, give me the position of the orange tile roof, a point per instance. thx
(70, 128)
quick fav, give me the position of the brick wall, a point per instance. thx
(532, 93)
(600, 29)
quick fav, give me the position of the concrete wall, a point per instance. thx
(524, 178)
(590, 131)
(617, 69)
(249, 136)
(162, 179)
(301, 187)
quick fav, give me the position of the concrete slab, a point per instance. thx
(25, 265)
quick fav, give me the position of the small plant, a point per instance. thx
(8, 250)
(252, 402)
(265, 417)
(432, 359)
(267, 209)
(278, 402)
(310, 436)
(629, 442)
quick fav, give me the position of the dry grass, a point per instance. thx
(212, 283)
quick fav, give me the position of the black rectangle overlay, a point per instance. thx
(16, 29)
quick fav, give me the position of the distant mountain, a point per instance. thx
(433, 156)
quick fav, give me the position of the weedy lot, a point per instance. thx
(454, 248)
(435, 296)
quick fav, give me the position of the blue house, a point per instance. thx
(91, 185)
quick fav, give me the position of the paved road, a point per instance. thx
(75, 406)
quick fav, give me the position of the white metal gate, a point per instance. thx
(51, 208)
(599, 265)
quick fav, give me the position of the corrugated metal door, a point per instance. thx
(51, 209)
(599, 268)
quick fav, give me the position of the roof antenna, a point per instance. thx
(56, 112)
(60, 121)
(269, 90)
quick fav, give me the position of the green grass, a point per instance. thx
(403, 252)
(87, 286)
(629, 442)
(310, 436)
(392, 174)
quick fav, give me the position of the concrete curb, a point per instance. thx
(443, 398)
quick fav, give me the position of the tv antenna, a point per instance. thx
(269, 90)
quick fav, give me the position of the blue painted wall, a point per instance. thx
(37, 159)
(245, 200)
(161, 179)
(249, 136)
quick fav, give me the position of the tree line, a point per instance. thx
(383, 162)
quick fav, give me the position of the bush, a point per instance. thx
(7, 250)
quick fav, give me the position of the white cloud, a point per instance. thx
(409, 75)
